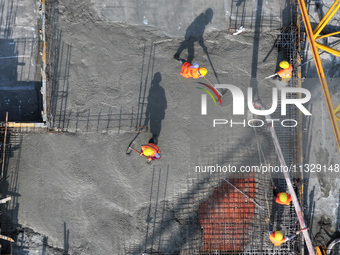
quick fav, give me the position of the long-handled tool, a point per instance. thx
(206, 52)
(213, 86)
(270, 76)
(140, 130)
(149, 159)
(250, 199)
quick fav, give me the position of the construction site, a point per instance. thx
(86, 83)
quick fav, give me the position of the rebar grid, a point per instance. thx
(229, 223)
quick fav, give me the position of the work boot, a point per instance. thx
(153, 140)
(176, 56)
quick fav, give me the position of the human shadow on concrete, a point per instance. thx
(194, 33)
(309, 213)
(157, 104)
(147, 67)
(286, 42)
(277, 210)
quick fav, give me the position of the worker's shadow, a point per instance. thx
(155, 111)
(277, 209)
(194, 33)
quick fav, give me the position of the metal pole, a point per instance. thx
(4, 149)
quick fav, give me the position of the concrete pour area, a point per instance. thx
(114, 70)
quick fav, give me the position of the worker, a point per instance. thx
(285, 72)
(192, 71)
(151, 151)
(277, 238)
(283, 198)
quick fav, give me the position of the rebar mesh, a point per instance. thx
(216, 217)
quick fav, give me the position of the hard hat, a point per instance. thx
(148, 152)
(203, 71)
(284, 64)
(278, 235)
(283, 197)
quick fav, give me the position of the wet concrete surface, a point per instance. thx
(79, 188)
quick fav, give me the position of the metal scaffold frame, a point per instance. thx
(313, 35)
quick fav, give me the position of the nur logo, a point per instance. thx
(239, 99)
(204, 97)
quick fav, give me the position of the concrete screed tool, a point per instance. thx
(149, 159)
(142, 129)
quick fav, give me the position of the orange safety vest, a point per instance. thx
(274, 241)
(277, 200)
(285, 74)
(154, 148)
(189, 72)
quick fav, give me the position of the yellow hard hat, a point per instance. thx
(203, 71)
(284, 64)
(148, 152)
(278, 235)
(283, 197)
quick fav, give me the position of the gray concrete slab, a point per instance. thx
(173, 18)
(80, 189)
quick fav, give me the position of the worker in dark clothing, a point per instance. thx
(194, 33)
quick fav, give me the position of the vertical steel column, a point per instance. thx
(4, 149)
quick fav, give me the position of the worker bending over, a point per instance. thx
(192, 71)
(285, 72)
(277, 238)
(282, 198)
(151, 150)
